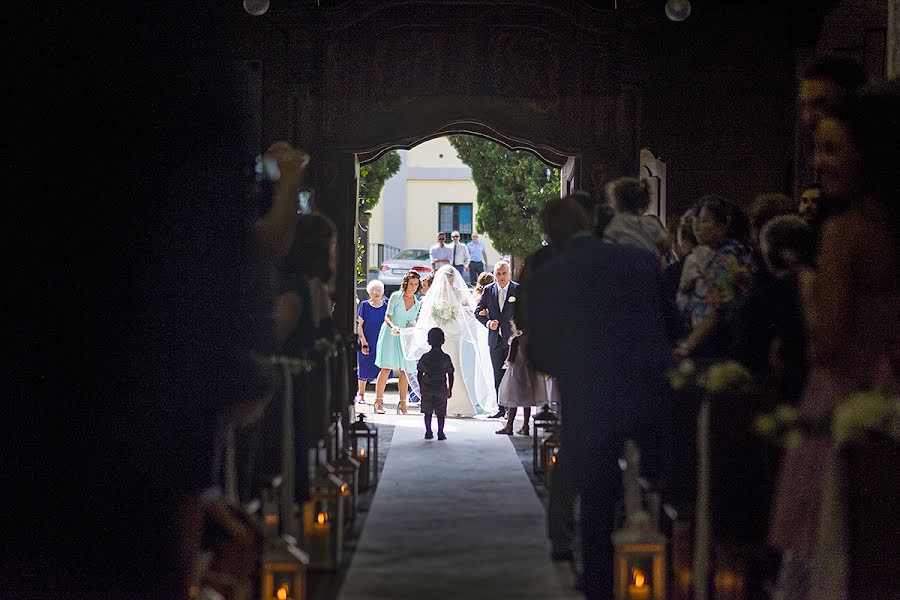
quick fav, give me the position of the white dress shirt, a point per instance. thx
(460, 255)
(501, 295)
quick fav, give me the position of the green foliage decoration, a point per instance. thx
(361, 276)
(513, 186)
(372, 177)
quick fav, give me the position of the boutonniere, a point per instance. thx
(511, 299)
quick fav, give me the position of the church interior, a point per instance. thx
(182, 421)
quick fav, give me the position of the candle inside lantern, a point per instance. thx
(283, 592)
(639, 590)
(318, 532)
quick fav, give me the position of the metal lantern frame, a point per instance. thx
(639, 551)
(364, 445)
(549, 450)
(284, 570)
(323, 522)
(347, 468)
(542, 421)
(335, 440)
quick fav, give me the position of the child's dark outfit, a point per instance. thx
(434, 370)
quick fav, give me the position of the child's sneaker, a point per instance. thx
(429, 435)
(441, 436)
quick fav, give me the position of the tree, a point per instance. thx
(512, 188)
(372, 177)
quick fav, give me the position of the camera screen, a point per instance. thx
(304, 202)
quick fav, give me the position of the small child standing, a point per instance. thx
(435, 374)
(521, 386)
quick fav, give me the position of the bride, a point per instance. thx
(448, 305)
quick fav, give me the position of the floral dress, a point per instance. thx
(726, 278)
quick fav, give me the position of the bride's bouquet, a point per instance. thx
(444, 312)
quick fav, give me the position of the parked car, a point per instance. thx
(391, 271)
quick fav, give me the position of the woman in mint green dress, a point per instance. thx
(402, 311)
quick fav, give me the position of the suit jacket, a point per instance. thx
(490, 300)
(594, 323)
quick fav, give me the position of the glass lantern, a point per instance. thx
(335, 437)
(364, 445)
(284, 568)
(549, 452)
(323, 522)
(542, 421)
(347, 470)
(640, 564)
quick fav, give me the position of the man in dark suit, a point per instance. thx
(594, 323)
(495, 310)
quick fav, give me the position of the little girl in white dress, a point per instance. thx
(521, 385)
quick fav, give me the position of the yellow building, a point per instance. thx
(432, 192)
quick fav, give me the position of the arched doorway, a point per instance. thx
(397, 222)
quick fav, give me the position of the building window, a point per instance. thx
(456, 217)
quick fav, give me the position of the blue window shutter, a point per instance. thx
(465, 218)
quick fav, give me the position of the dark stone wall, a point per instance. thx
(718, 104)
(712, 96)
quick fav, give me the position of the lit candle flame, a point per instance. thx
(344, 488)
(362, 451)
(282, 593)
(639, 578)
(321, 518)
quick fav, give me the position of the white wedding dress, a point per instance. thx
(448, 305)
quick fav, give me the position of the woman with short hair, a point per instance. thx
(371, 317)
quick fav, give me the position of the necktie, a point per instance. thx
(502, 298)
(454, 253)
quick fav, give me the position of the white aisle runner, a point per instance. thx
(454, 519)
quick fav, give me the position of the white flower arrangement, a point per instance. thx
(869, 410)
(719, 378)
(728, 376)
(863, 411)
(683, 374)
(444, 312)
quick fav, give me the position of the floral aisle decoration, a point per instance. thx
(719, 378)
(325, 346)
(443, 312)
(862, 412)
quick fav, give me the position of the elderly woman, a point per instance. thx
(371, 317)
(402, 311)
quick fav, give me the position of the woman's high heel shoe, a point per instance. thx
(379, 406)
(401, 407)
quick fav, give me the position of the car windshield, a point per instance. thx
(410, 254)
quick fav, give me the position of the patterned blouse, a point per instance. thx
(726, 278)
